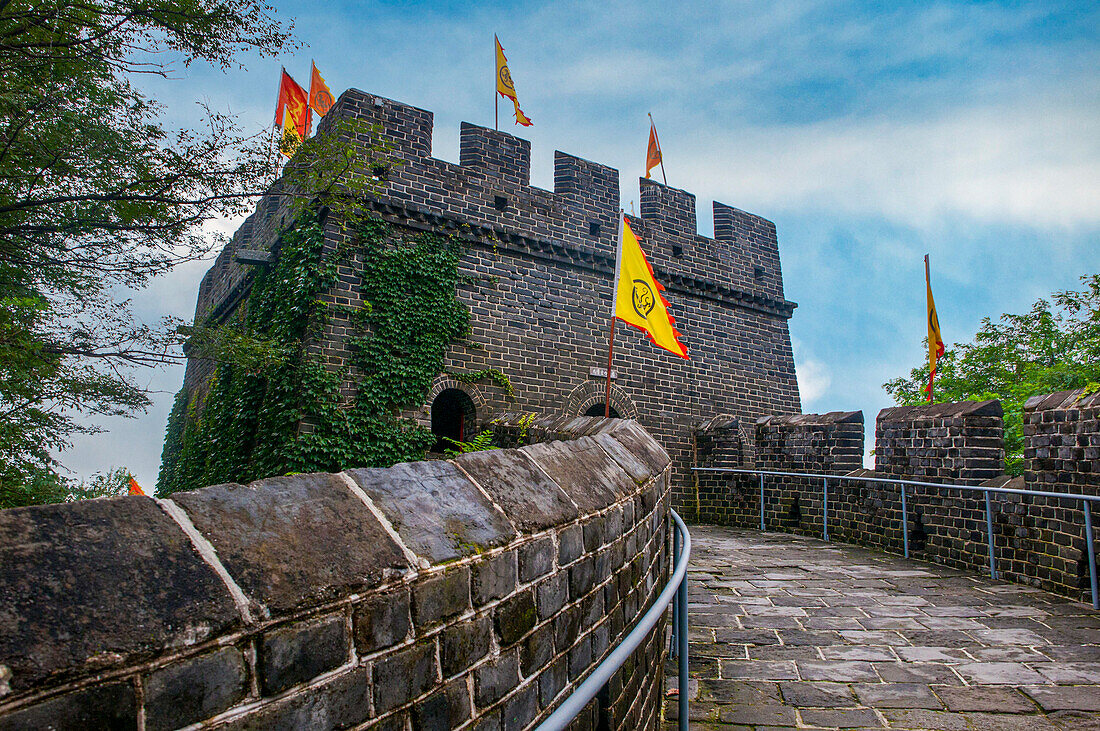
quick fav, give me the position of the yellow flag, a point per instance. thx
(638, 298)
(505, 87)
(935, 340)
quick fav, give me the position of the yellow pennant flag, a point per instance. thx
(935, 340)
(638, 298)
(505, 87)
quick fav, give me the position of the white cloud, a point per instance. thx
(813, 376)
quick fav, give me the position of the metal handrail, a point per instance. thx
(586, 691)
(1086, 501)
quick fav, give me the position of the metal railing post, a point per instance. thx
(1091, 555)
(761, 502)
(989, 531)
(682, 679)
(904, 522)
(676, 602)
(825, 508)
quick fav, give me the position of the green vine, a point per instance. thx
(299, 410)
(494, 375)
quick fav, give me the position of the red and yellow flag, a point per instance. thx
(320, 96)
(505, 87)
(935, 341)
(653, 154)
(135, 489)
(296, 120)
(638, 298)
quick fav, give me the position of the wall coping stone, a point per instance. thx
(833, 417)
(1062, 400)
(946, 410)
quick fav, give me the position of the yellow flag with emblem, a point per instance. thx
(638, 298)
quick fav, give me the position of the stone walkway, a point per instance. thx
(792, 632)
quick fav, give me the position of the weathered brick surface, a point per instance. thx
(541, 266)
(490, 639)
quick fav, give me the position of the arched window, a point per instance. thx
(453, 417)
(598, 409)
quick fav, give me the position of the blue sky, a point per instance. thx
(870, 136)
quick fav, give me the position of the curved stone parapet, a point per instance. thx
(471, 593)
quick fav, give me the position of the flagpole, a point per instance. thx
(614, 299)
(657, 139)
(931, 371)
(496, 96)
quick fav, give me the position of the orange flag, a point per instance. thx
(935, 340)
(320, 96)
(135, 489)
(506, 88)
(653, 154)
(292, 96)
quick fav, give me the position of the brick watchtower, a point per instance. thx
(540, 306)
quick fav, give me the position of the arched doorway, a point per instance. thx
(453, 417)
(598, 408)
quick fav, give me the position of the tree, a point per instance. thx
(1053, 347)
(97, 195)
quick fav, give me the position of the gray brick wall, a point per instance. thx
(336, 601)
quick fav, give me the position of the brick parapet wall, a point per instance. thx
(950, 442)
(537, 272)
(1039, 541)
(475, 593)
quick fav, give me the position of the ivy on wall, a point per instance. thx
(290, 411)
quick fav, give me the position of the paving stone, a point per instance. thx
(998, 673)
(1071, 673)
(738, 692)
(933, 673)
(758, 715)
(1008, 722)
(897, 695)
(759, 669)
(855, 652)
(838, 670)
(979, 698)
(925, 719)
(818, 695)
(841, 718)
(1065, 698)
(1011, 653)
(932, 654)
(1008, 637)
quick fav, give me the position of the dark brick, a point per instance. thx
(570, 544)
(494, 578)
(464, 643)
(515, 617)
(444, 709)
(552, 595)
(536, 559)
(552, 681)
(404, 675)
(195, 689)
(536, 650)
(109, 706)
(495, 679)
(382, 621)
(338, 703)
(300, 652)
(521, 708)
(441, 597)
